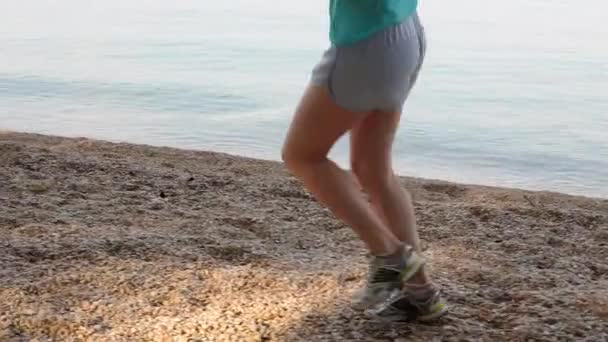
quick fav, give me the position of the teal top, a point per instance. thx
(354, 20)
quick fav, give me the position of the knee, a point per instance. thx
(290, 158)
(296, 161)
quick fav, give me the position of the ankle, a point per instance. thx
(388, 250)
(394, 255)
(397, 250)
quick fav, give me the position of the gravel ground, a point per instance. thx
(121, 242)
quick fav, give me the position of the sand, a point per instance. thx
(121, 242)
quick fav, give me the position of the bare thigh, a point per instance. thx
(318, 123)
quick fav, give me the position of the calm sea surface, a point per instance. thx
(513, 93)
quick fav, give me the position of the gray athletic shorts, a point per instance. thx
(376, 73)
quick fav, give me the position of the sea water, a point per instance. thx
(512, 93)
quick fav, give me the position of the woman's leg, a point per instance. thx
(317, 125)
(371, 148)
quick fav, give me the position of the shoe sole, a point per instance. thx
(439, 312)
(403, 317)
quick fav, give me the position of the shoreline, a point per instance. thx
(438, 179)
(118, 241)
